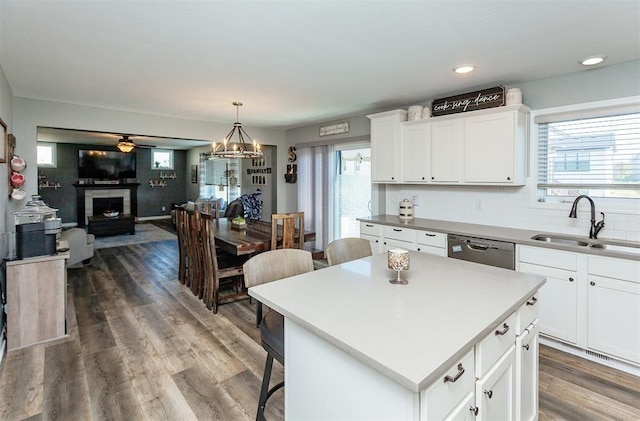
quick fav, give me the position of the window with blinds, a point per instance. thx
(594, 155)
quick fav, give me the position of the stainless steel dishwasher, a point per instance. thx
(479, 250)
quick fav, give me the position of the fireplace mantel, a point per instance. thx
(81, 190)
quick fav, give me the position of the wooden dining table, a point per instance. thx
(255, 238)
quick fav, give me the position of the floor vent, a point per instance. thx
(585, 351)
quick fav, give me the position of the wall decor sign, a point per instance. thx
(334, 129)
(471, 101)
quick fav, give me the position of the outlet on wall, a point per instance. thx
(416, 200)
(478, 204)
(164, 208)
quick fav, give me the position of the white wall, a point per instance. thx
(31, 113)
(6, 113)
(512, 207)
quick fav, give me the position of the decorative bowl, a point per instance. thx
(111, 214)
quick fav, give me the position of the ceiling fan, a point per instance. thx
(126, 144)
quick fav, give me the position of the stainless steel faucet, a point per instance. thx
(595, 227)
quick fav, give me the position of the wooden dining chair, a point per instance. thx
(346, 249)
(194, 253)
(284, 226)
(260, 269)
(211, 207)
(182, 233)
(217, 267)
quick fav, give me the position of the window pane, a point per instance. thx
(46, 156)
(595, 156)
(162, 159)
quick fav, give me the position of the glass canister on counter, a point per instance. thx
(37, 227)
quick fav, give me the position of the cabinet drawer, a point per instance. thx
(527, 313)
(444, 395)
(496, 343)
(609, 267)
(370, 229)
(548, 257)
(435, 239)
(402, 234)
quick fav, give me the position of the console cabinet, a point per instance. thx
(36, 300)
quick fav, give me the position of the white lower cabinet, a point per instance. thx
(613, 307)
(465, 411)
(590, 301)
(444, 396)
(495, 391)
(483, 384)
(373, 233)
(558, 297)
(432, 243)
(527, 374)
(383, 237)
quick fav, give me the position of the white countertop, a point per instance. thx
(411, 333)
(512, 235)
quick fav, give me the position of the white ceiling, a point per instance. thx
(296, 63)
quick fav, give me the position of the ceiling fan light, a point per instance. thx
(125, 147)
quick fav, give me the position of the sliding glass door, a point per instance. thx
(352, 193)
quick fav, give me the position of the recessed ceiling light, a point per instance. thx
(464, 69)
(590, 61)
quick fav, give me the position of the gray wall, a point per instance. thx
(150, 199)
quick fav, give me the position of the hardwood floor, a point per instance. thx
(141, 346)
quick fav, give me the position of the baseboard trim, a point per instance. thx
(595, 357)
(153, 218)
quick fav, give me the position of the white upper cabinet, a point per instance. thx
(484, 147)
(385, 146)
(494, 148)
(446, 151)
(416, 152)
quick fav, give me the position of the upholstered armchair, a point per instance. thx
(80, 245)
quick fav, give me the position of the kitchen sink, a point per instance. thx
(591, 243)
(617, 247)
(556, 239)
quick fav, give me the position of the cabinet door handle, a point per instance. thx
(508, 178)
(532, 301)
(397, 230)
(433, 178)
(592, 283)
(503, 331)
(423, 178)
(570, 279)
(489, 393)
(474, 410)
(429, 235)
(393, 178)
(526, 347)
(454, 379)
(369, 225)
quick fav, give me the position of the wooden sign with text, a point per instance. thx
(471, 101)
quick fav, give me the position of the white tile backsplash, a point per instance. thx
(507, 207)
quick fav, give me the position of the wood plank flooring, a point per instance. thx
(142, 347)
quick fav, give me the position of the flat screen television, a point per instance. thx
(106, 165)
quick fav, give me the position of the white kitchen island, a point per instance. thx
(358, 347)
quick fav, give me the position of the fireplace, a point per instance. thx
(104, 204)
(125, 194)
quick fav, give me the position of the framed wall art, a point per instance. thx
(194, 174)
